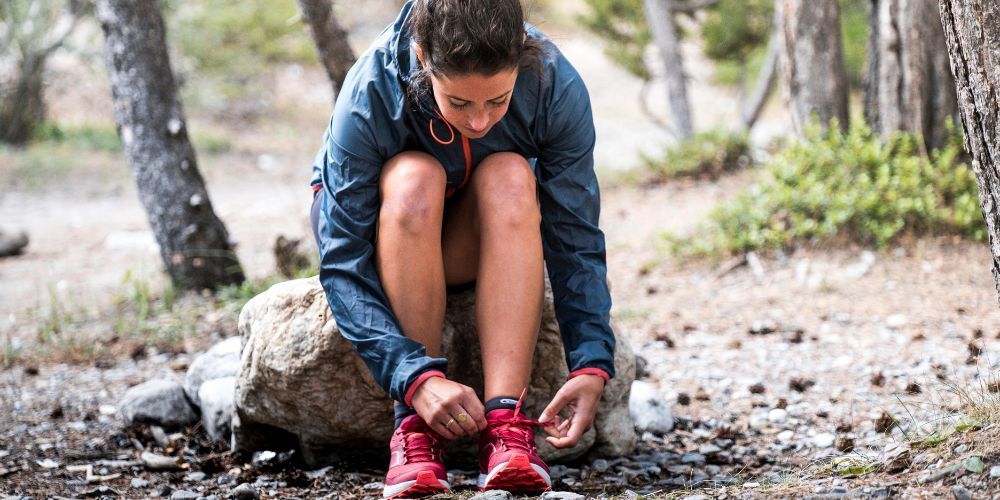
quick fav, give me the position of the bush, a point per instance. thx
(852, 185)
(622, 25)
(706, 155)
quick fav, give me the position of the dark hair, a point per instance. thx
(460, 37)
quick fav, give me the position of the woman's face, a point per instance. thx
(474, 103)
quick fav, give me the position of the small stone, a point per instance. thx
(896, 321)
(561, 495)
(492, 495)
(600, 465)
(683, 398)
(799, 384)
(184, 495)
(245, 492)
(885, 423)
(374, 486)
(757, 388)
(878, 380)
(777, 416)
(961, 493)
(709, 449)
(195, 476)
(824, 440)
(995, 471)
(786, 436)
(763, 327)
(758, 418)
(138, 482)
(693, 458)
(913, 388)
(224, 479)
(962, 448)
(844, 444)
(649, 411)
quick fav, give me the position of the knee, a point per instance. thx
(412, 189)
(507, 191)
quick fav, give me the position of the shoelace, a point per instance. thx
(516, 431)
(419, 447)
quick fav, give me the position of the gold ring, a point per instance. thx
(462, 417)
(448, 425)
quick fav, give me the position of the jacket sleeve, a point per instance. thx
(573, 243)
(350, 164)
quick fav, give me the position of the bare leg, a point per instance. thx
(492, 235)
(408, 247)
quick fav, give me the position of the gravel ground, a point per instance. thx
(774, 367)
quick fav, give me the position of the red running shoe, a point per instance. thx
(508, 459)
(416, 468)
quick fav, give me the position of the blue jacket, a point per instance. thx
(549, 121)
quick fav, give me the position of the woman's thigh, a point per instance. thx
(493, 181)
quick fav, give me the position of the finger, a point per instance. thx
(554, 429)
(464, 424)
(475, 409)
(559, 401)
(444, 430)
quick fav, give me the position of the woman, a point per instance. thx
(461, 152)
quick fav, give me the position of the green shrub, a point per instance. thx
(852, 185)
(706, 155)
(88, 137)
(734, 28)
(622, 25)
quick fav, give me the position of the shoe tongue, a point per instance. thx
(414, 423)
(500, 414)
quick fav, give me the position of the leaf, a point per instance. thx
(974, 464)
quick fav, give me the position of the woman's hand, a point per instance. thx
(450, 408)
(581, 394)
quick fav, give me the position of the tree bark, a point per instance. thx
(194, 244)
(658, 15)
(972, 33)
(331, 41)
(908, 83)
(812, 63)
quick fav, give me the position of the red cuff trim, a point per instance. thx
(420, 380)
(317, 187)
(590, 371)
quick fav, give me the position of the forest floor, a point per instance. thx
(891, 356)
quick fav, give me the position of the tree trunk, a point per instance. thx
(658, 15)
(194, 244)
(972, 33)
(812, 62)
(22, 108)
(908, 85)
(330, 38)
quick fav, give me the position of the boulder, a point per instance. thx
(157, 402)
(220, 361)
(301, 383)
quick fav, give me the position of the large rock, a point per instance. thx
(220, 361)
(157, 402)
(301, 383)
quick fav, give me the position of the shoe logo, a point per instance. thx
(508, 401)
(398, 458)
